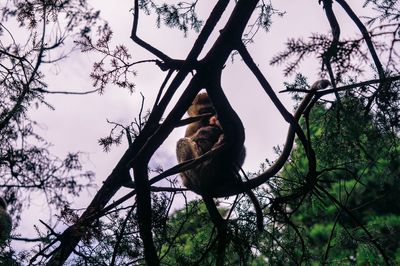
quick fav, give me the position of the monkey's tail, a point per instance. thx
(258, 209)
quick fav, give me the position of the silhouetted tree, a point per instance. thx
(114, 234)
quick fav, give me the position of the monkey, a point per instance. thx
(199, 179)
(5, 222)
(202, 136)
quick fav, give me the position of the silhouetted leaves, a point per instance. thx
(317, 45)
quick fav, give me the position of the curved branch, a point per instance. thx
(142, 43)
(232, 125)
(289, 138)
(230, 190)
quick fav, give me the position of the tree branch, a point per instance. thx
(366, 36)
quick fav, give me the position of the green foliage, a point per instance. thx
(358, 164)
(191, 229)
(191, 239)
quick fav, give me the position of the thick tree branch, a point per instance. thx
(142, 43)
(366, 36)
(191, 60)
(144, 212)
(278, 104)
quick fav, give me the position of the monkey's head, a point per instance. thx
(201, 105)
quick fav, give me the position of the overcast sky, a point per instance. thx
(79, 121)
